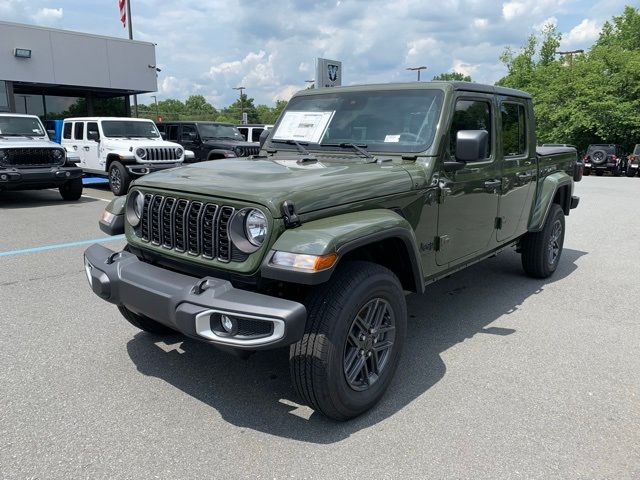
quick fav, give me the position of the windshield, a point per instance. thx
(129, 128)
(385, 121)
(20, 126)
(211, 130)
(636, 151)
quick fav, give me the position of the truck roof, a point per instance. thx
(454, 85)
(210, 122)
(96, 119)
(8, 114)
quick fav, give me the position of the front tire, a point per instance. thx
(144, 323)
(119, 179)
(541, 250)
(71, 190)
(352, 343)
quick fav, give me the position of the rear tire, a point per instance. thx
(72, 190)
(144, 323)
(541, 250)
(361, 309)
(119, 179)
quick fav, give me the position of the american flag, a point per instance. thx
(123, 12)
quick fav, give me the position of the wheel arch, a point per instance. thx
(380, 236)
(556, 188)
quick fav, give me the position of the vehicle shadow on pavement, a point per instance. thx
(37, 198)
(256, 393)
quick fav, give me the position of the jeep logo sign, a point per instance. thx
(328, 73)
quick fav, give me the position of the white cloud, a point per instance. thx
(583, 34)
(480, 22)
(464, 68)
(530, 8)
(47, 16)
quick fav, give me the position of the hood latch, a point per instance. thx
(291, 219)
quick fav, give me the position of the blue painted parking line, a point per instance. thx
(60, 245)
(94, 181)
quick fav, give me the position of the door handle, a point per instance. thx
(75, 147)
(525, 177)
(493, 185)
(86, 149)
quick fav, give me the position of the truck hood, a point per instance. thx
(121, 143)
(27, 142)
(227, 142)
(270, 182)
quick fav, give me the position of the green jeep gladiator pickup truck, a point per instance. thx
(359, 196)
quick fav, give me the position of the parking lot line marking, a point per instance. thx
(60, 245)
(97, 198)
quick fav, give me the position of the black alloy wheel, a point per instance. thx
(369, 344)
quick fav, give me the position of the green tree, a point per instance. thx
(198, 105)
(233, 113)
(461, 77)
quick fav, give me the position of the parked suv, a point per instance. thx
(209, 140)
(30, 161)
(602, 158)
(252, 132)
(360, 194)
(122, 148)
(633, 165)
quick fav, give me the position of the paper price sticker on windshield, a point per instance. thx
(303, 126)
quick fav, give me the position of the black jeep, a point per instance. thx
(633, 164)
(208, 140)
(602, 158)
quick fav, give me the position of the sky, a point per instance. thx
(210, 46)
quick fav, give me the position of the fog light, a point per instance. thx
(229, 324)
(68, 174)
(3, 177)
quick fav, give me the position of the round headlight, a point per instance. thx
(178, 152)
(58, 154)
(135, 206)
(141, 152)
(255, 227)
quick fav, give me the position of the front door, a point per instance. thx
(518, 166)
(189, 140)
(90, 147)
(469, 197)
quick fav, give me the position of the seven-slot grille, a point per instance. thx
(31, 157)
(246, 151)
(161, 154)
(201, 229)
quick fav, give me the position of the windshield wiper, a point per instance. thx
(358, 148)
(298, 145)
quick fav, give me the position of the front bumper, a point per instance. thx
(145, 168)
(13, 178)
(194, 306)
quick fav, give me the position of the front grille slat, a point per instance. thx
(161, 154)
(31, 157)
(198, 228)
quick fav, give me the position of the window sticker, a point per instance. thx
(392, 139)
(303, 126)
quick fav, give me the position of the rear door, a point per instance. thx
(518, 165)
(467, 212)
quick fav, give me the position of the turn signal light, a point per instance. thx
(313, 263)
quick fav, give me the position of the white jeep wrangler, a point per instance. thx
(30, 161)
(122, 148)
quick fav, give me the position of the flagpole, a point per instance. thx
(135, 97)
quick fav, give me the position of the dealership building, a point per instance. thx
(57, 73)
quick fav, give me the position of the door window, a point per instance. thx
(471, 115)
(93, 127)
(514, 132)
(255, 134)
(66, 133)
(172, 133)
(188, 130)
(78, 130)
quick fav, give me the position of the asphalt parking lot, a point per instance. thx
(502, 377)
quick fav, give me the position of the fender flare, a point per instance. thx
(342, 234)
(218, 151)
(544, 199)
(114, 225)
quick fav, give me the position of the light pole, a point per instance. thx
(417, 69)
(130, 28)
(570, 54)
(157, 112)
(242, 89)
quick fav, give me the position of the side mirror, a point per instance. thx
(472, 145)
(163, 135)
(263, 137)
(51, 134)
(93, 135)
